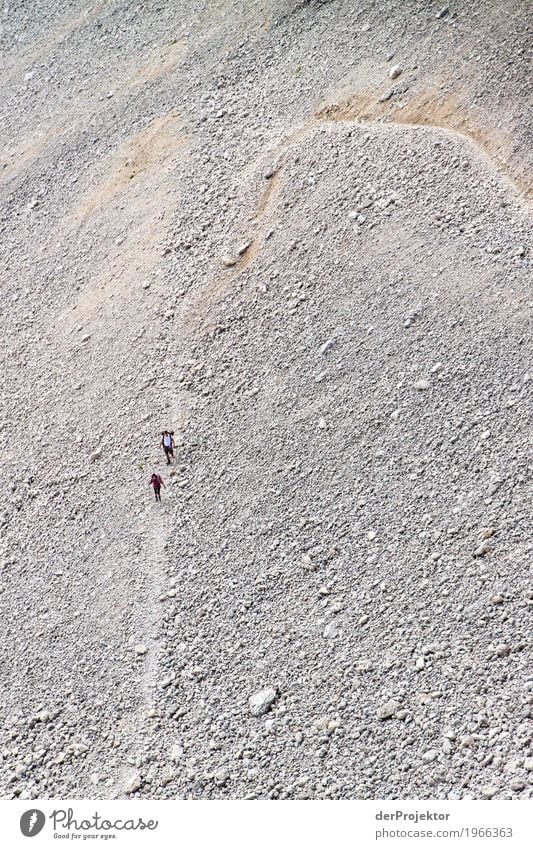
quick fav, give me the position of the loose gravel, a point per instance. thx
(298, 234)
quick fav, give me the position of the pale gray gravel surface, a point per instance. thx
(234, 220)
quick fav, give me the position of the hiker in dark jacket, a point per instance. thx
(156, 481)
(167, 444)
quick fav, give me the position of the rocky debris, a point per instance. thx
(261, 702)
(309, 487)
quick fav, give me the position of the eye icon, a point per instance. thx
(32, 822)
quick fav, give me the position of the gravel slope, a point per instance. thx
(248, 226)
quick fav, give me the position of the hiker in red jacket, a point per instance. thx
(157, 482)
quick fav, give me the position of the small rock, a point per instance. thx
(43, 716)
(494, 485)
(502, 650)
(261, 702)
(176, 753)
(388, 710)
(221, 776)
(167, 776)
(229, 261)
(325, 723)
(140, 648)
(327, 346)
(133, 784)
(308, 564)
(430, 756)
(422, 384)
(482, 549)
(395, 71)
(244, 247)
(443, 12)
(331, 630)
(447, 747)
(95, 455)
(517, 784)
(488, 792)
